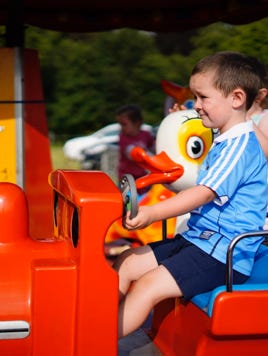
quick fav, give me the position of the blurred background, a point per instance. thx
(86, 77)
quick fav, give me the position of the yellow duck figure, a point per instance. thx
(182, 143)
(188, 146)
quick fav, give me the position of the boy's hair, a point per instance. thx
(234, 70)
(133, 112)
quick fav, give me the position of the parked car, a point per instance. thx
(88, 149)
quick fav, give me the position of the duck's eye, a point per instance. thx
(195, 147)
(194, 140)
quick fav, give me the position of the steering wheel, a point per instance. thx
(129, 192)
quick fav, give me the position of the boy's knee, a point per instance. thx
(121, 258)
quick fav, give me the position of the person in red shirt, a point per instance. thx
(132, 134)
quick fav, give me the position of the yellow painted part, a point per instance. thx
(194, 128)
(7, 117)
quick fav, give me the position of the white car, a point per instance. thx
(91, 147)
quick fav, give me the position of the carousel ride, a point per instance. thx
(58, 294)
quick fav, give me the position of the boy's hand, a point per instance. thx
(140, 221)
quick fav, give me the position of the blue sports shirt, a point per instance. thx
(236, 170)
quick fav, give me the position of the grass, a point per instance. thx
(59, 161)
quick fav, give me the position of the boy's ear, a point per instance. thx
(239, 98)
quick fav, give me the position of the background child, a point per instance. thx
(229, 198)
(258, 112)
(130, 118)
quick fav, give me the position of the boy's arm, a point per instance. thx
(263, 140)
(180, 204)
(263, 125)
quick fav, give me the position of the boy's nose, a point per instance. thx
(197, 105)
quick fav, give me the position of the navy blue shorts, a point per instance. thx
(193, 269)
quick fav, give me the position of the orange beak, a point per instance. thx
(179, 93)
(162, 168)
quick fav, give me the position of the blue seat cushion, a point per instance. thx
(257, 281)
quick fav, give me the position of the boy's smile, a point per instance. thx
(215, 109)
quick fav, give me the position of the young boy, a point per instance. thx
(229, 198)
(130, 118)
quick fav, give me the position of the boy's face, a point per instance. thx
(128, 127)
(214, 108)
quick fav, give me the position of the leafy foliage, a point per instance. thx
(86, 77)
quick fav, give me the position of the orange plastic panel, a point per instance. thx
(17, 253)
(177, 328)
(53, 310)
(98, 203)
(13, 213)
(37, 165)
(231, 346)
(185, 330)
(66, 293)
(240, 313)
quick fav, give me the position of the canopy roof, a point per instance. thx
(150, 15)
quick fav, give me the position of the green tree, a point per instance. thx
(94, 74)
(250, 39)
(87, 76)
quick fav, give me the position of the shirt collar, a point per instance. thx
(236, 131)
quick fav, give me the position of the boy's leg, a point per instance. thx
(132, 264)
(151, 288)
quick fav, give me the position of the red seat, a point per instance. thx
(220, 322)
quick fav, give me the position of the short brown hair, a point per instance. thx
(234, 70)
(132, 111)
